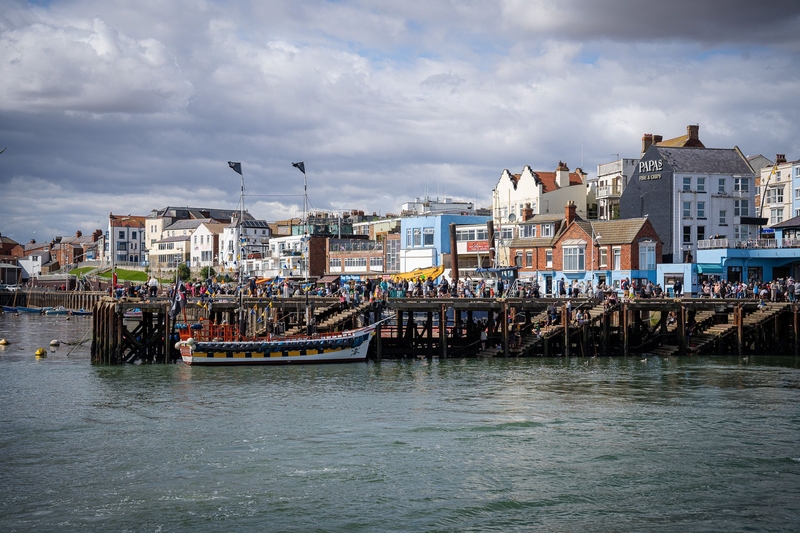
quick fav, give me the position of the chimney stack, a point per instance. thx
(527, 212)
(647, 141)
(562, 175)
(780, 158)
(78, 234)
(693, 131)
(570, 215)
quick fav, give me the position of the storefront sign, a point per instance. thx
(649, 177)
(478, 246)
(654, 165)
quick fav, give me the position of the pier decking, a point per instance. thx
(445, 327)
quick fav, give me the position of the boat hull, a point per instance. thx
(33, 310)
(348, 348)
(9, 309)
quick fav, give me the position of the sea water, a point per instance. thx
(575, 444)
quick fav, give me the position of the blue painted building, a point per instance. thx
(425, 239)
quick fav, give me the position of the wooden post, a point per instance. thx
(681, 329)
(738, 319)
(443, 331)
(504, 327)
(795, 329)
(378, 345)
(565, 325)
(606, 332)
(429, 333)
(624, 317)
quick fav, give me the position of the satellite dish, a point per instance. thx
(512, 217)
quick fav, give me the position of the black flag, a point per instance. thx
(235, 166)
(178, 299)
(300, 166)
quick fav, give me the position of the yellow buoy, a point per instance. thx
(41, 352)
(4, 342)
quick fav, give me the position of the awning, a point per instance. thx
(709, 268)
(328, 279)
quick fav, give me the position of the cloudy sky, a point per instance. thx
(132, 106)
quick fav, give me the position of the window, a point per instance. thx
(121, 234)
(687, 235)
(776, 215)
(775, 195)
(481, 234)
(133, 235)
(721, 185)
(741, 232)
(797, 194)
(701, 233)
(741, 208)
(408, 238)
(687, 183)
(701, 210)
(741, 184)
(647, 256)
(507, 233)
(529, 259)
(701, 184)
(723, 220)
(574, 258)
(547, 230)
(548, 257)
(376, 263)
(518, 259)
(687, 209)
(465, 235)
(427, 237)
(797, 172)
(417, 237)
(528, 230)
(195, 239)
(603, 257)
(617, 258)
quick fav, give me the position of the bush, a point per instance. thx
(183, 272)
(207, 272)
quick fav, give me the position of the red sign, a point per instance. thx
(478, 246)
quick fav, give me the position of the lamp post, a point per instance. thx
(595, 243)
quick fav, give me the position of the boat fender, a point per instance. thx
(41, 352)
(55, 342)
(191, 342)
(197, 326)
(4, 342)
(178, 345)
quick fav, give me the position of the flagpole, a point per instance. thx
(237, 167)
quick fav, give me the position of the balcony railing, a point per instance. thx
(609, 190)
(755, 244)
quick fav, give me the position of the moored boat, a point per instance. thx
(214, 345)
(10, 309)
(80, 312)
(35, 310)
(60, 310)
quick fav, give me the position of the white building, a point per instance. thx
(537, 192)
(774, 193)
(253, 249)
(126, 237)
(205, 244)
(611, 181)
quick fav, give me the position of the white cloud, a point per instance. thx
(114, 106)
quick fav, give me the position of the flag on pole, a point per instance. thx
(300, 166)
(178, 300)
(237, 167)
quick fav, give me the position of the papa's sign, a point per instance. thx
(654, 165)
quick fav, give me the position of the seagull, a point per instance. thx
(644, 360)
(3, 150)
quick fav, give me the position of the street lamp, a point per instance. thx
(595, 243)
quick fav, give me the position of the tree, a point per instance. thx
(183, 272)
(615, 212)
(207, 272)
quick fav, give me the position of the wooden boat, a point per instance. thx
(60, 310)
(212, 344)
(10, 309)
(35, 310)
(80, 312)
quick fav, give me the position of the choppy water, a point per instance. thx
(692, 444)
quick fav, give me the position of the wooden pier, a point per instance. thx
(142, 331)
